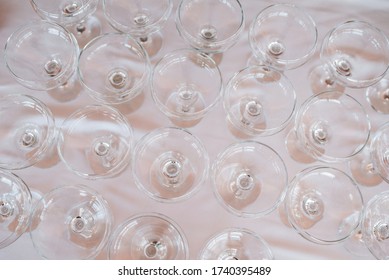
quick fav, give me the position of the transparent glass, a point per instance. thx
(329, 127)
(70, 222)
(378, 96)
(249, 179)
(15, 207)
(318, 203)
(142, 19)
(283, 36)
(149, 236)
(114, 68)
(259, 101)
(27, 132)
(75, 15)
(375, 226)
(96, 142)
(41, 55)
(236, 244)
(185, 86)
(211, 26)
(170, 164)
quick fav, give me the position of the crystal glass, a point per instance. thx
(42, 55)
(170, 164)
(319, 202)
(375, 225)
(28, 132)
(70, 222)
(329, 127)
(15, 207)
(236, 244)
(114, 68)
(283, 36)
(211, 26)
(95, 142)
(148, 236)
(371, 167)
(354, 54)
(142, 19)
(378, 96)
(185, 86)
(258, 100)
(75, 15)
(249, 179)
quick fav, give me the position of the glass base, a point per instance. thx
(321, 80)
(152, 43)
(362, 170)
(378, 96)
(86, 30)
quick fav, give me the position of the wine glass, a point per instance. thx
(149, 236)
(170, 164)
(319, 201)
(75, 15)
(211, 26)
(378, 96)
(283, 36)
(258, 100)
(70, 222)
(95, 142)
(114, 68)
(142, 19)
(249, 179)
(236, 244)
(371, 167)
(15, 207)
(375, 225)
(329, 127)
(28, 133)
(42, 55)
(354, 54)
(185, 85)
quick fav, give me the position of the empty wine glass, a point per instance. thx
(258, 100)
(249, 179)
(236, 244)
(185, 86)
(70, 222)
(15, 207)
(142, 19)
(283, 36)
(114, 68)
(329, 127)
(149, 236)
(318, 203)
(42, 55)
(371, 167)
(211, 26)
(28, 132)
(375, 225)
(354, 54)
(95, 142)
(75, 15)
(170, 164)
(378, 96)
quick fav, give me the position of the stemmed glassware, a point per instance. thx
(236, 244)
(141, 19)
(319, 202)
(249, 179)
(185, 85)
(15, 207)
(70, 222)
(170, 164)
(329, 127)
(354, 54)
(114, 68)
(211, 26)
(95, 142)
(75, 15)
(28, 133)
(258, 100)
(378, 96)
(283, 36)
(148, 237)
